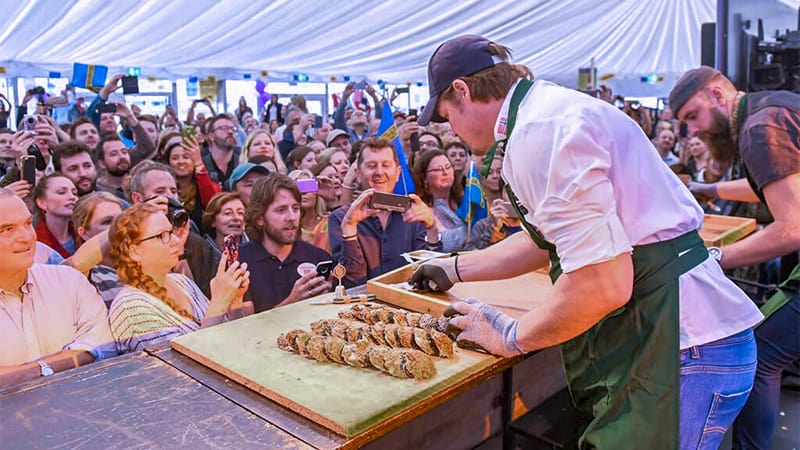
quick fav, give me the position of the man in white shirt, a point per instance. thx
(620, 233)
(51, 317)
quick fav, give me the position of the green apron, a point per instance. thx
(624, 372)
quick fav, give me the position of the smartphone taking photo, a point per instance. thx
(390, 202)
(29, 169)
(231, 244)
(307, 185)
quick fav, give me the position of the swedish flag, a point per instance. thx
(89, 76)
(388, 130)
(473, 204)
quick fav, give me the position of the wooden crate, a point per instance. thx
(514, 296)
(719, 231)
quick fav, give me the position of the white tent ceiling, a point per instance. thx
(390, 40)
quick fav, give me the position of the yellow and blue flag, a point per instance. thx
(388, 130)
(473, 205)
(89, 76)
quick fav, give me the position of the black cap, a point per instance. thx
(458, 57)
(688, 85)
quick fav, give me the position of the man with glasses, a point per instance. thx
(429, 141)
(223, 154)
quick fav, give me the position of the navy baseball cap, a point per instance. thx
(458, 57)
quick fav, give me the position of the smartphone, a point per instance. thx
(324, 269)
(29, 169)
(414, 142)
(390, 202)
(106, 108)
(512, 213)
(306, 185)
(684, 130)
(412, 112)
(317, 121)
(187, 132)
(361, 85)
(232, 247)
(130, 85)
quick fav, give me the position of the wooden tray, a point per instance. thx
(718, 230)
(514, 296)
(349, 401)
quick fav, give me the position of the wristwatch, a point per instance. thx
(46, 369)
(716, 253)
(436, 242)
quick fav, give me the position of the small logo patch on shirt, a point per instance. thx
(502, 126)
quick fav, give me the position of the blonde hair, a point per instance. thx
(124, 233)
(320, 208)
(245, 157)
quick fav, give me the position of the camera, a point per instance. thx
(177, 216)
(29, 123)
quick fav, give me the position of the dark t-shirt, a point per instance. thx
(271, 280)
(769, 141)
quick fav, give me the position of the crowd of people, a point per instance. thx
(125, 232)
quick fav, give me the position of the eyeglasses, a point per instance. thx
(165, 236)
(227, 128)
(442, 169)
(429, 144)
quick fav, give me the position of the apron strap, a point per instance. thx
(786, 291)
(688, 250)
(520, 91)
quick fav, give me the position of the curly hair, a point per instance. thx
(124, 233)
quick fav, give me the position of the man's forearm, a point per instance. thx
(772, 241)
(737, 190)
(509, 258)
(580, 300)
(63, 360)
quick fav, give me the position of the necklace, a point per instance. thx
(734, 120)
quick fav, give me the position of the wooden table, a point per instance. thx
(163, 399)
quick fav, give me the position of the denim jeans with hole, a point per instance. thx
(716, 379)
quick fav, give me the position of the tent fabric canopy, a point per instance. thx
(390, 41)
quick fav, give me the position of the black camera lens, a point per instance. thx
(177, 216)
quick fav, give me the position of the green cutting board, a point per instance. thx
(344, 399)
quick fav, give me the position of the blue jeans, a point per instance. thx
(716, 379)
(778, 342)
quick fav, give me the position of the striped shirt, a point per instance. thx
(139, 320)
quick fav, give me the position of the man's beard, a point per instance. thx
(277, 235)
(718, 138)
(81, 191)
(223, 144)
(118, 172)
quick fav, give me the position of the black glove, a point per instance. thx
(704, 190)
(435, 275)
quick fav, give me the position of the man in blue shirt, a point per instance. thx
(283, 266)
(369, 242)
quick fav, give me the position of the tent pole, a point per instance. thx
(723, 7)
